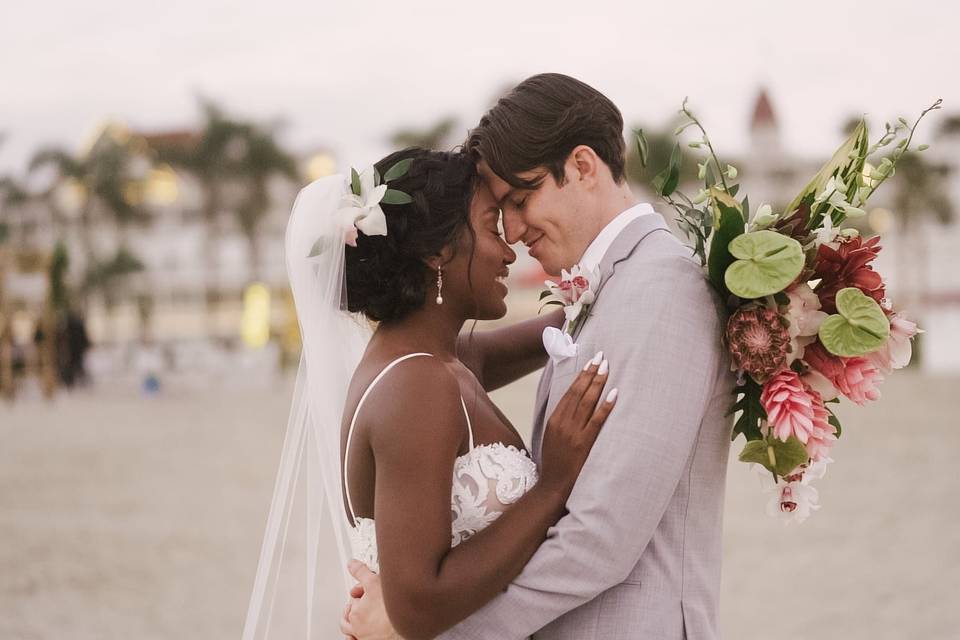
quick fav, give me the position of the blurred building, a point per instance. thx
(196, 270)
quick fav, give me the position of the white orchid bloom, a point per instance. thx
(793, 502)
(805, 318)
(834, 194)
(363, 211)
(826, 233)
(763, 218)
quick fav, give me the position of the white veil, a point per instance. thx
(297, 542)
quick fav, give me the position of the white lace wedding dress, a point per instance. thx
(486, 480)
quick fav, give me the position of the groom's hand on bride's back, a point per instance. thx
(574, 425)
(365, 617)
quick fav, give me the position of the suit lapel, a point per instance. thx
(539, 419)
(621, 249)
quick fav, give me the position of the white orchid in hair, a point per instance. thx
(361, 211)
(360, 206)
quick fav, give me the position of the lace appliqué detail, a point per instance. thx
(363, 543)
(485, 481)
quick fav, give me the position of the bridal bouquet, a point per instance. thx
(809, 319)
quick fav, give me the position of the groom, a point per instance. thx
(638, 554)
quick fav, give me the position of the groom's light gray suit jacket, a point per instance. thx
(638, 554)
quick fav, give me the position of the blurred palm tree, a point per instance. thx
(204, 156)
(6, 333)
(435, 136)
(74, 174)
(919, 196)
(13, 197)
(257, 157)
(950, 125)
(108, 183)
(233, 161)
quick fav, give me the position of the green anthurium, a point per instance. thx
(859, 326)
(767, 263)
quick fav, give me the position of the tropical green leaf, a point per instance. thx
(752, 413)
(398, 170)
(768, 262)
(841, 162)
(354, 181)
(729, 225)
(859, 326)
(643, 150)
(545, 293)
(667, 180)
(835, 422)
(776, 455)
(393, 196)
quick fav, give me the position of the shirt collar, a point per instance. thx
(598, 248)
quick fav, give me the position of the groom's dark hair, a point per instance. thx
(541, 121)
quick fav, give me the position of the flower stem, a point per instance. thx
(713, 154)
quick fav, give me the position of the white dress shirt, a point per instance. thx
(598, 248)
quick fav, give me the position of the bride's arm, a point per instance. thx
(427, 585)
(500, 356)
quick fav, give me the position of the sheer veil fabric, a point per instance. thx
(295, 570)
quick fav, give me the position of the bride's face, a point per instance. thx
(477, 274)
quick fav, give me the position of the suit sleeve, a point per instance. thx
(663, 344)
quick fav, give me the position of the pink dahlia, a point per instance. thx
(856, 378)
(794, 409)
(759, 340)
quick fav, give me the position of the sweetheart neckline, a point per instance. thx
(523, 453)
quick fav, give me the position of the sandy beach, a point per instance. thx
(130, 517)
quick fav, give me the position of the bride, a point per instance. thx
(391, 417)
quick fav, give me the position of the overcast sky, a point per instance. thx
(344, 75)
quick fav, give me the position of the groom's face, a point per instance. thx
(546, 219)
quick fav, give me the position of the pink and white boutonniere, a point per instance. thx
(575, 293)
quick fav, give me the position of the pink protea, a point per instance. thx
(856, 378)
(759, 340)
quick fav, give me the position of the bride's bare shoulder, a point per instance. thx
(419, 398)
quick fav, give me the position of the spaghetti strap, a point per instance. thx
(353, 422)
(467, 416)
(356, 412)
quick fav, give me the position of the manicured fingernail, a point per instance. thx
(612, 395)
(604, 367)
(588, 365)
(597, 359)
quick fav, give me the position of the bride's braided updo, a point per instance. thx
(387, 276)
